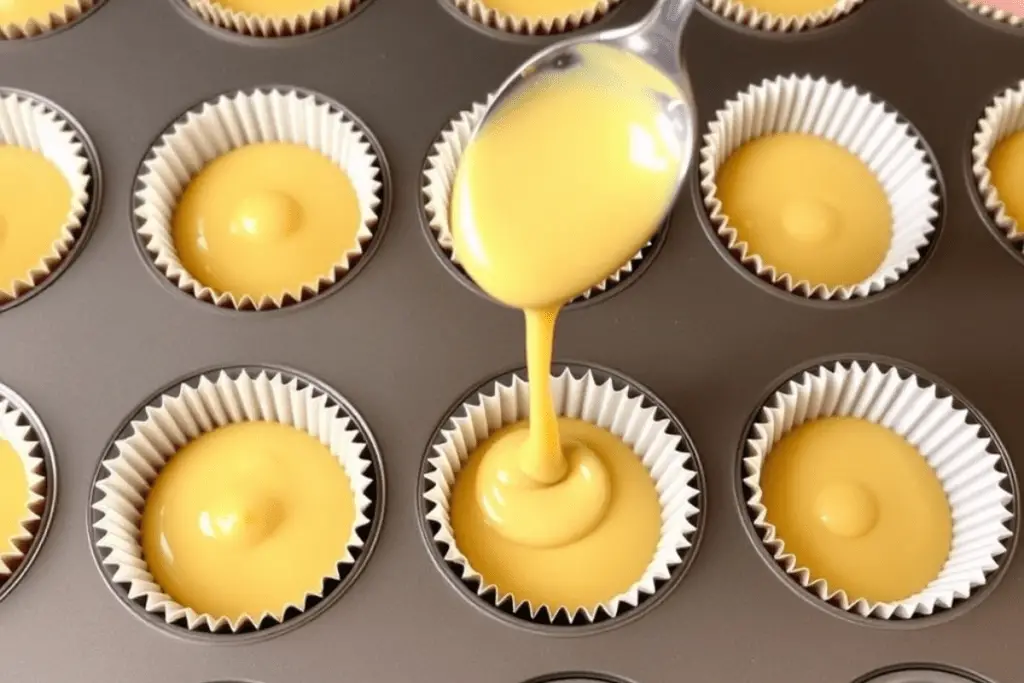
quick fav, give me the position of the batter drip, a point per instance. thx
(565, 184)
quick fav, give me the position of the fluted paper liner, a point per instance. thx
(72, 11)
(741, 13)
(439, 178)
(947, 436)
(994, 13)
(864, 126)
(235, 120)
(182, 415)
(279, 26)
(15, 431)
(1002, 118)
(32, 124)
(621, 411)
(478, 11)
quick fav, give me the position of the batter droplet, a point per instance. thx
(241, 517)
(810, 221)
(847, 510)
(539, 515)
(266, 215)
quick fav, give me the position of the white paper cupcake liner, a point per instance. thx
(15, 430)
(989, 12)
(867, 128)
(31, 123)
(740, 13)
(947, 435)
(439, 176)
(261, 26)
(620, 409)
(1003, 117)
(72, 11)
(548, 25)
(182, 415)
(235, 120)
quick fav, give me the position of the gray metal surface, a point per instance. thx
(404, 339)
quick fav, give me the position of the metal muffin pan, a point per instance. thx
(403, 339)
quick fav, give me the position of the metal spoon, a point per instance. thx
(656, 40)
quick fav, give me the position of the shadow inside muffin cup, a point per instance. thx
(436, 177)
(581, 384)
(32, 439)
(123, 568)
(267, 113)
(906, 400)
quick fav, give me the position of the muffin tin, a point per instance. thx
(404, 339)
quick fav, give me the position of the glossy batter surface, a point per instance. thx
(568, 180)
(539, 9)
(275, 8)
(14, 496)
(858, 506)
(808, 207)
(790, 7)
(35, 200)
(1007, 166)
(266, 219)
(247, 519)
(547, 565)
(19, 12)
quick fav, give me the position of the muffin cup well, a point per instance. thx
(1003, 117)
(31, 122)
(235, 120)
(478, 11)
(602, 398)
(994, 13)
(738, 12)
(920, 673)
(880, 138)
(179, 414)
(72, 11)
(970, 463)
(23, 431)
(261, 26)
(439, 171)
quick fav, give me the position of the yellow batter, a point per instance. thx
(275, 8)
(1007, 166)
(266, 219)
(808, 207)
(14, 496)
(35, 201)
(540, 9)
(247, 519)
(858, 506)
(546, 568)
(20, 12)
(563, 186)
(790, 7)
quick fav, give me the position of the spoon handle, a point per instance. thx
(661, 32)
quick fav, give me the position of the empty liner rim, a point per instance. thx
(973, 417)
(560, 625)
(46, 453)
(723, 236)
(75, 11)
(430, 170)
(478, 15)
(736, 13)
(86, 219)
(256, 28)
(269, 626)
(377, 223)
(983, 140)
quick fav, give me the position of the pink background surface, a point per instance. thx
(1012, 6)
